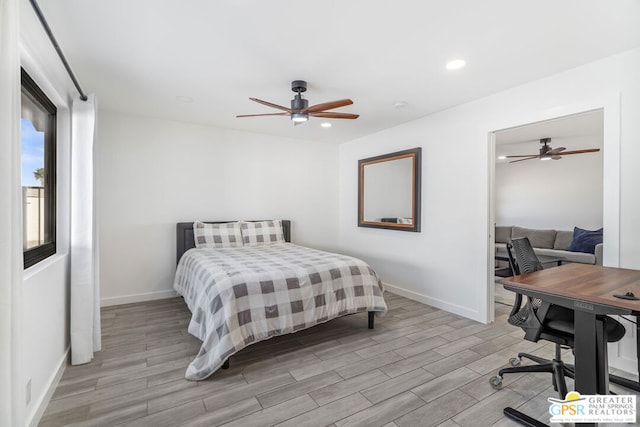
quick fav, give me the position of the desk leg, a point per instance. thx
(587, 354)
(602, 368)
(522, 418)
(586, 357)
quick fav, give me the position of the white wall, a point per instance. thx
(44, 311)
(557, 195)
(153, 173)
(447, 264)
(45, 322)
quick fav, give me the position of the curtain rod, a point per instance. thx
(47, 29)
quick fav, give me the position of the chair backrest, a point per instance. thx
(523, 259)
(526, 259)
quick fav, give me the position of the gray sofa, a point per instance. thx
(548, 243)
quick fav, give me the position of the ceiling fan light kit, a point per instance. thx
(548, 153)
(300, 110)
(299, 117)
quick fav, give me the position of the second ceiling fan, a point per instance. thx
(548, 153)
(300, 110)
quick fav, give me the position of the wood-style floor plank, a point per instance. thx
(420, 366)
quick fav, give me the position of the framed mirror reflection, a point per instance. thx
(389, 191)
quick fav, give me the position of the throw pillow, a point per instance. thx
(260, 233)
(224, 235)
(585, 240)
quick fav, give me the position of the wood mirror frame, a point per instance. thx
(413, 179)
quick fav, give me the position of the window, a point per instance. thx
(38, 156)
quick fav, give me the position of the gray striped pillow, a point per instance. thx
(227, 235)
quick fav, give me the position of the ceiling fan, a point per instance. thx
(548, 153)
(300, 110)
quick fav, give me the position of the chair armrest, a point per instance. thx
(599, 251)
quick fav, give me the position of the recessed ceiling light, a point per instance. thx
(502, 157)
(325, 125)
(185, 99)
(456, 64)
(400, 104)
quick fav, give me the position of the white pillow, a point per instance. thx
(262, 233)
(226, 235)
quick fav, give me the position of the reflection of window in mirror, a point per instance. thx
(389, 191)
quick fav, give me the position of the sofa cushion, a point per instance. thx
(538, 238)
(567, 256)
(503, 233)
(563, 240)
(585, 240)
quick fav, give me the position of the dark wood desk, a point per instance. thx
(588, 290)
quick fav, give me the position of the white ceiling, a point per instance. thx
(139, 56)
(571, 132)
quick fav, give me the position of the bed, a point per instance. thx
(245, 294)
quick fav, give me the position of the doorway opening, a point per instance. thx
(548, 177)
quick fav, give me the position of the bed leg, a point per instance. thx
(225, 365)
(371, 313)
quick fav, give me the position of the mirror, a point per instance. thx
(389, 191)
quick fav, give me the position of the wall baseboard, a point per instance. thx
(624, 364)
(33, 419)
(128, 299)
(434, 302)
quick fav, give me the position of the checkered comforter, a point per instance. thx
(239, 296)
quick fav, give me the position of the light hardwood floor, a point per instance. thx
(420, 367)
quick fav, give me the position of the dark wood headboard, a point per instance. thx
(185, 240)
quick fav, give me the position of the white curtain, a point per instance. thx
(85, 285)
(11, 391)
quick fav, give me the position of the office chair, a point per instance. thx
(542, 320)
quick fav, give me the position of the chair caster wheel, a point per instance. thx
(496, 382)
(515, 361)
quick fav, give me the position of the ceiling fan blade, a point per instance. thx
(555, 151)
(590, 150)
(327, 106)
(528, 158)
(269, 104)
(556, 157)
(328, 115)
(259, 115)
(524, 155)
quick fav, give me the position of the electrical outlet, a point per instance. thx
(28, 391)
